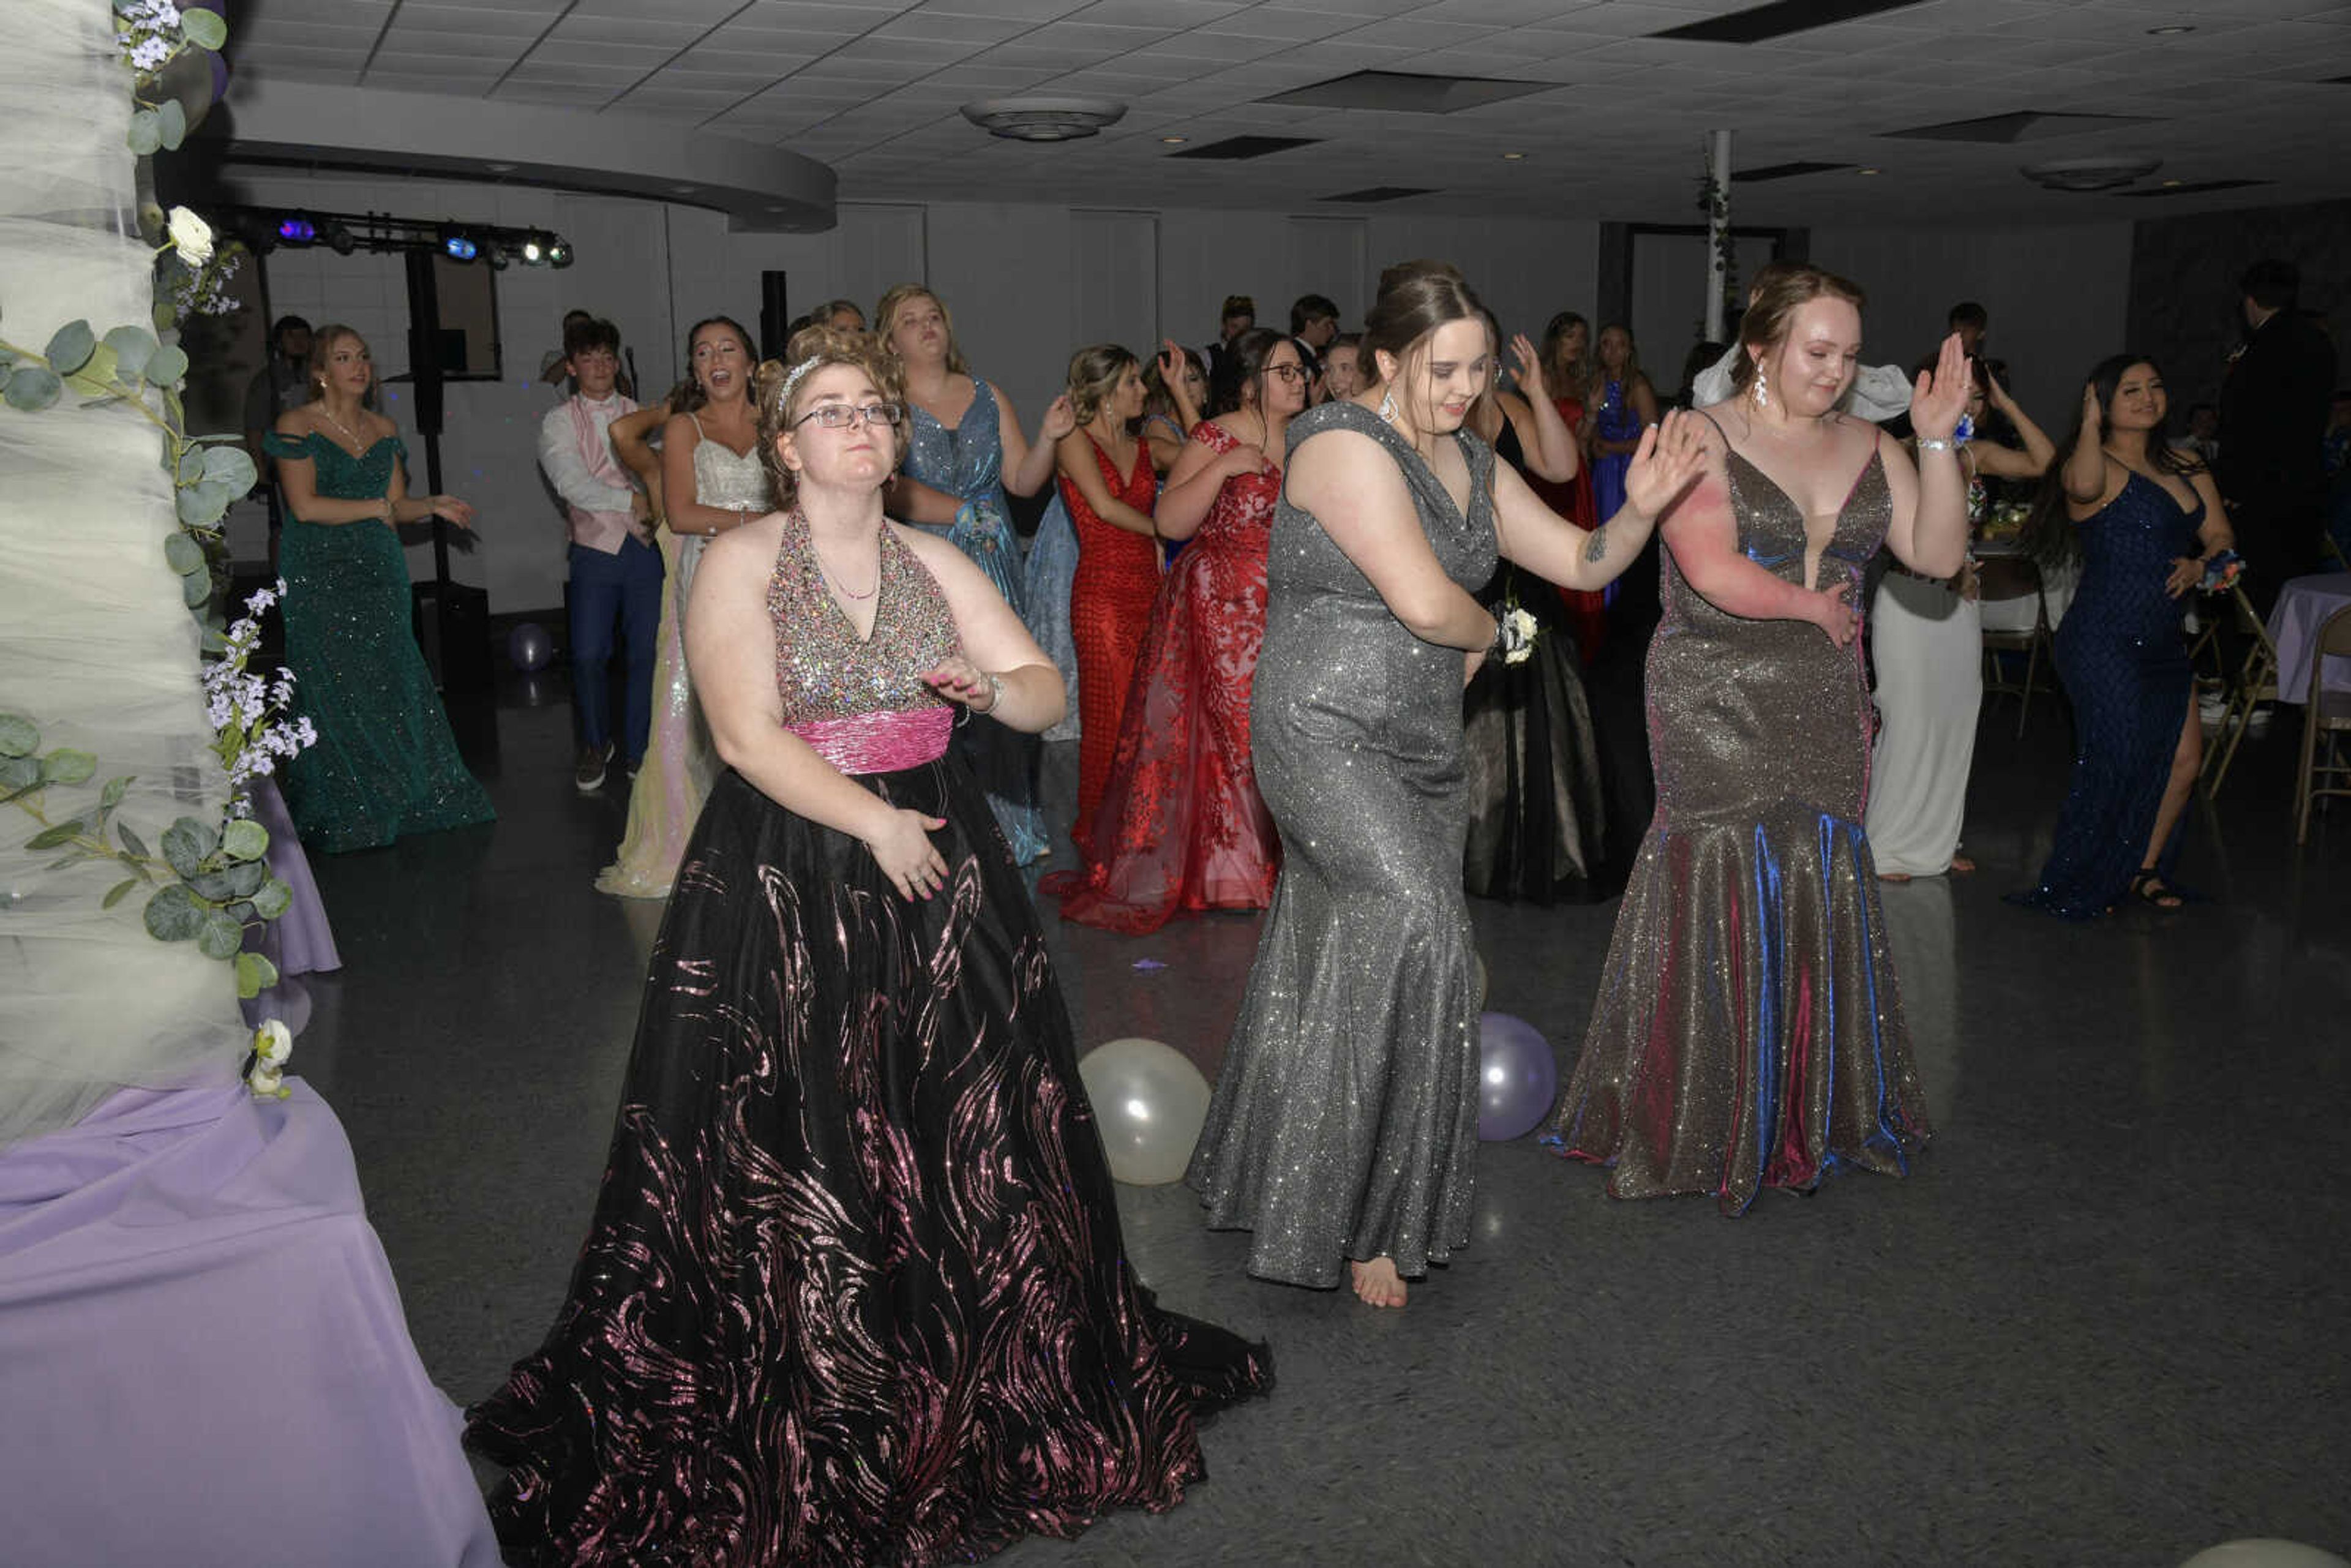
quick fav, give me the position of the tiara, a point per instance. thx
(792, 379)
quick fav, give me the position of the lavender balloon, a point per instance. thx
(530, 646)
(1516, 1079)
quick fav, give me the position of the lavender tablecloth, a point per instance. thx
(203, 1358)
(2304, 605)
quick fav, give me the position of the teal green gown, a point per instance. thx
(385, 763)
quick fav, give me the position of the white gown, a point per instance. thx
(1928, 644)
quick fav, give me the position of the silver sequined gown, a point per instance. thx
(1748, 1032)
(1344, 1121)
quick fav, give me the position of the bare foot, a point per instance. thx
(1377, 1283)
(1961, 865)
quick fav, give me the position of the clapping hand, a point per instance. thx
(1060, 419)
(1939, 397)
(1667, 461)
(1531, 372)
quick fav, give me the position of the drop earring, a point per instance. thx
(1387, 405)
(1762, 388)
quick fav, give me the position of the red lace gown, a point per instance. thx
(1111, 595)
(1586, 611)
(1181, 826)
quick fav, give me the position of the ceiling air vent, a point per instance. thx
(2193, 188)
(1246, 147)
(1759, 22)
(1043, 118)
(2025, 125)
(2090, 173)
(1781, 172)
(1407, 92)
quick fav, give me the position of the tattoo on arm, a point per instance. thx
(1595, 546)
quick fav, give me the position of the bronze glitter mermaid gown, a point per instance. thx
(1748, 1032)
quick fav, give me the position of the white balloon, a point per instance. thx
(2264, 1554)
(1150, 1102)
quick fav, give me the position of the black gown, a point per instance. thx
(854, 1292)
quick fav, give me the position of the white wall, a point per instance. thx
(1025, 285)
(2059, 298)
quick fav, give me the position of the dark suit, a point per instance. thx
(2273, 430)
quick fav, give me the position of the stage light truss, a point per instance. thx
(263, 229)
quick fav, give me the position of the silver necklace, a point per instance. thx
(835, 583)
(320, 409)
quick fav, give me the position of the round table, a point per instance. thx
(2303, 607)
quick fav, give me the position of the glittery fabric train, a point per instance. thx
(2120, 656)
(1344, 1122)
(854, 1292)
(669, 789)
(1111, 596)
(386, 763)
(1748, 1032)
(967, 460)
(1182, 827)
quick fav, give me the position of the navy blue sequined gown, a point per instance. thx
(2120, 654)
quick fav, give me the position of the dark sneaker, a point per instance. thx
(589, 772)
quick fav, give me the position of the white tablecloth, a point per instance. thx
(2304, 605)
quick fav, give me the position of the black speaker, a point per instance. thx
(424, 342)
(453, 627)
(774, 316)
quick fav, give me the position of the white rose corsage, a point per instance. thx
(1517, 629)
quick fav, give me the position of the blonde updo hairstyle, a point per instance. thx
(885, 321)
(1781, 290)
(1415, 298)
(1095, 373)
(817, 348)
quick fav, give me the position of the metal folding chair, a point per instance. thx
(2255, 684)
(2327, 712)
(1998, 579)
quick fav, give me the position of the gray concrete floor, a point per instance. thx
(2102, 1321)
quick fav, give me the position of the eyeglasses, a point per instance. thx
(842, 416)
(1286, 372)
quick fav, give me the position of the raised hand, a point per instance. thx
(1939, 397)
(1059, 420)
(1173, 358)
(1668, 461)
(1995, 393)
(1530, 371)
(2093, 417)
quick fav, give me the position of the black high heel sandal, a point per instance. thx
(2149, 888)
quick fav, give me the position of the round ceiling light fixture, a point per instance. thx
(1042, 119)
(2080, 174)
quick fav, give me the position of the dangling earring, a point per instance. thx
(1387, 405)
(1762, 389)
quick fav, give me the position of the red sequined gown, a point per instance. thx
(1110, 604)
(854, 1292)
(1586, 609)
(1181, 826)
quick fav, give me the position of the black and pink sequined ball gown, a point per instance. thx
(854, 1292)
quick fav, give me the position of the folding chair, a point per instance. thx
(2255, 684)
(2000, 578)
(2327, 711)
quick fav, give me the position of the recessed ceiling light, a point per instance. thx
(1175, 141)
(684, 189)
(2167, 32)
(2168, 184)
(1869, 171)
(1512, 157)
(500, 168)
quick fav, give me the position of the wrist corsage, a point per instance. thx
(2221, 571)
(1514, 634)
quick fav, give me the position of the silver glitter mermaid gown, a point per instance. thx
(1344, 1121)
(1748, 1032)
